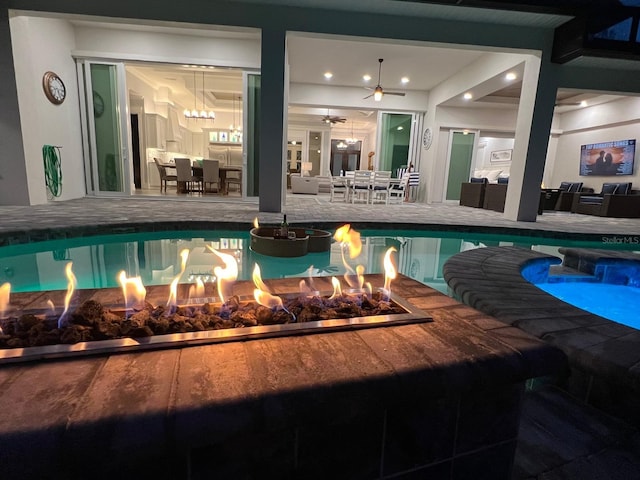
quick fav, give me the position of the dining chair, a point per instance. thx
(380, 184)
(234, 177)
(164, 177)
(360, 185)
(211, 174)
(185, 175)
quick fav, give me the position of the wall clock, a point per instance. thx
(54, 88)
(427, 138)
(98, 104)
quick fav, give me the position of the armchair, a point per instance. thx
(614, 200)
(565, 195)
(472, 193)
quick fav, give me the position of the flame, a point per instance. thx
(52, 307)
(257, 279)
(369, 289)
(350, 239)
(337, 291)
(173, 288)
(71, 286)
(225, 275)
(5, 293)
(346, 236)
(255, 223)
(197, 291)
(133, 290)
(261, 292)
(360, 273)
(267, 300)
(390, 272)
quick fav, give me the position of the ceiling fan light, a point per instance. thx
(377, 94)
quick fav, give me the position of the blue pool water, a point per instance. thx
(155, 257)
(620, 303)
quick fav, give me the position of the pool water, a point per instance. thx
(620, 303)
(154, 257)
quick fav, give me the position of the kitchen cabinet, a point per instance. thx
(155, 130)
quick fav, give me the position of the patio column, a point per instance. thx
(14, 189)
(272, 98)
(533, 127)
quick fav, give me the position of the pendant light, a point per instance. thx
(352, 140)
(202, 114)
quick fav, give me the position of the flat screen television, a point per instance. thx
(608, 158)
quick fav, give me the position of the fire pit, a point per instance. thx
(95, 326)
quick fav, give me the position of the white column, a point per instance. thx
(533, 124)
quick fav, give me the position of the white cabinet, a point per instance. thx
(156, 130)
(197, 144)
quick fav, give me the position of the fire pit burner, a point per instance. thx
(238, 319)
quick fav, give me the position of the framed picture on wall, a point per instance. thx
(213, 136)
(223, 136)
(500, 156)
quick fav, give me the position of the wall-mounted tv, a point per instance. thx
(608, 158)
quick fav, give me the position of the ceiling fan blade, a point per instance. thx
(368, 96)
(399, 94)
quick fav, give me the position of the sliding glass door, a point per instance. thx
(460, 156)
(105, 128)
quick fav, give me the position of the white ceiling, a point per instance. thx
(348, 58)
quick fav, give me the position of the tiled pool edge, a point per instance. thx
(604, 356)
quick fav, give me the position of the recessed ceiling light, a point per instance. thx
(400, 127)
(467, 96)
(328, 75)
(404, 80)
(510, 76)
(366, 78)
(583, 103)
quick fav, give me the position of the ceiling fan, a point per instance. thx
(333, 119)
(378, 92)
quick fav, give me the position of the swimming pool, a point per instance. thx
(155, 257)
(620, 303)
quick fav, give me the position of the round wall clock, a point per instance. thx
(54, 88)
(98, 104)
(427, 138)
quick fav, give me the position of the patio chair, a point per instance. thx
(380, 184)
(360, 185)
(614, 200)
(338, 186)
(164, 177)
(397, 192)
(211, 174)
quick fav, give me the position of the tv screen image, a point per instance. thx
(608, 158)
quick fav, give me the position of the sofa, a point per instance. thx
(305, 185)
(614, 200)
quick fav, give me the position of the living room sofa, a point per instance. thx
(307, 185)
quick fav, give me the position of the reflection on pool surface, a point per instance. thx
(620, 303)
(155, 257)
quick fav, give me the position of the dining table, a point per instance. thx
(197, 171)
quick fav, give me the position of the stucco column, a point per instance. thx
(533, 124)
(272, 98)
(14, 189)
